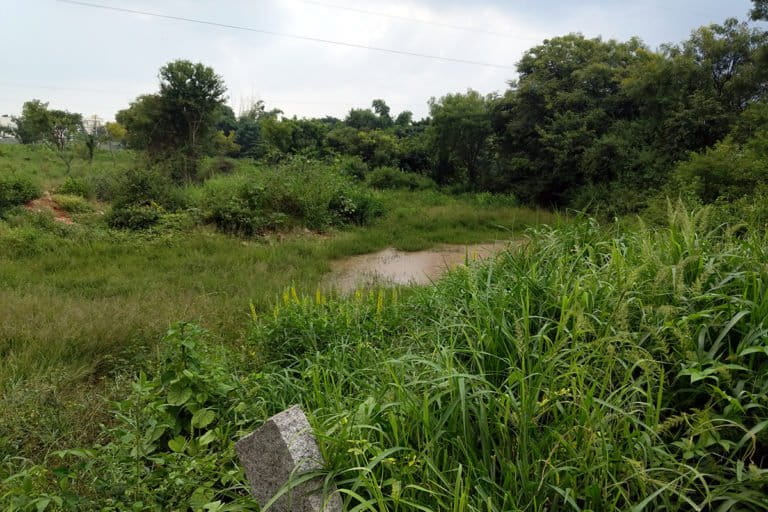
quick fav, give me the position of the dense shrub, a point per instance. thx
(106, 183)
(728, 171)
(72, 203)
(215, 167)
(145, 185)
(351, 165)
(15, 190)
(168, 448)
(355, 206)
(134, 216)
(392, 177)
(297, 193)
(77, 187)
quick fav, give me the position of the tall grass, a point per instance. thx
(598, 368)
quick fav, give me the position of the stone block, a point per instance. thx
(282, 448)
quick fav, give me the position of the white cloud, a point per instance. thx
(65, 46)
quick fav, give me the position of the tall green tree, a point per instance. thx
(33, 124)
(461, 125)
(760, 10)
(382, 110)
(568, 95)
(179, 123)
(192, 94)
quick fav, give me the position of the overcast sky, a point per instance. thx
(95, 61)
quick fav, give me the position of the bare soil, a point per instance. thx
(47, 203)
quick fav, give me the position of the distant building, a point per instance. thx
(92, 124)
(6, 125)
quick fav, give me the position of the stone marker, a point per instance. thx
(281, 448)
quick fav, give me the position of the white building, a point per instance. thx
(6, 123)
(92, 124)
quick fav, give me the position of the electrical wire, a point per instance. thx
(289, 36)
(417, 20)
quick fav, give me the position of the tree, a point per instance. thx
(115, 135)
(178, 125)
(144, 126)
(730, 57)
(64, 126)
(404, 118)
(116, 132)
(760, 10)
(93, 133)
(382, 110)
(191, 95)
(362, 119)
(459, 130)
(33, 124)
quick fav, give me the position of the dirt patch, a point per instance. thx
(47, 203)
(393, 267)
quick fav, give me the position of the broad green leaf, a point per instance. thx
(179, 395)
(177, 444)
(203, 418)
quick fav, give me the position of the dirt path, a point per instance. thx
(391, 266)
(47, 203)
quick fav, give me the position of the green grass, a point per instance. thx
(82, 304)
(600, 368)
(104, 292)
(43, 166)
(597, 367)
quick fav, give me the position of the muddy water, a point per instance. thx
(393, 267)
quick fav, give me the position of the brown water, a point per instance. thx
(393, 267)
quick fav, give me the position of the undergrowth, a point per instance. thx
(597, 368)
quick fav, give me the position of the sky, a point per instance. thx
(96, 61)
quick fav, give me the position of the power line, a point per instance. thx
(65, 89)
(289, 36)
(417, 20)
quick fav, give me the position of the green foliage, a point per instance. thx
(33, 124)
(296, 193)
(72, 203)
(77, 187)
(760, 10)
(15, 190)
(142, 185)
(177, 125)
(460, 127)
(352, 166)
(591, 119)
(140, 197)
(726, 172)
(169, 445)
(391, 177)
(134, 216)
(590, 355)
(304, 324)
(524, 361)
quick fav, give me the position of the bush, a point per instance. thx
(299, 193)
(391, 177)
(148, 185)
(215, 167)
(72, 203)
(77, 187)
(15, 191)
(356, 207)
(133, 216)
(352, 166)
(728, 171)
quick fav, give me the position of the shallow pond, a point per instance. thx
(393, 267)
